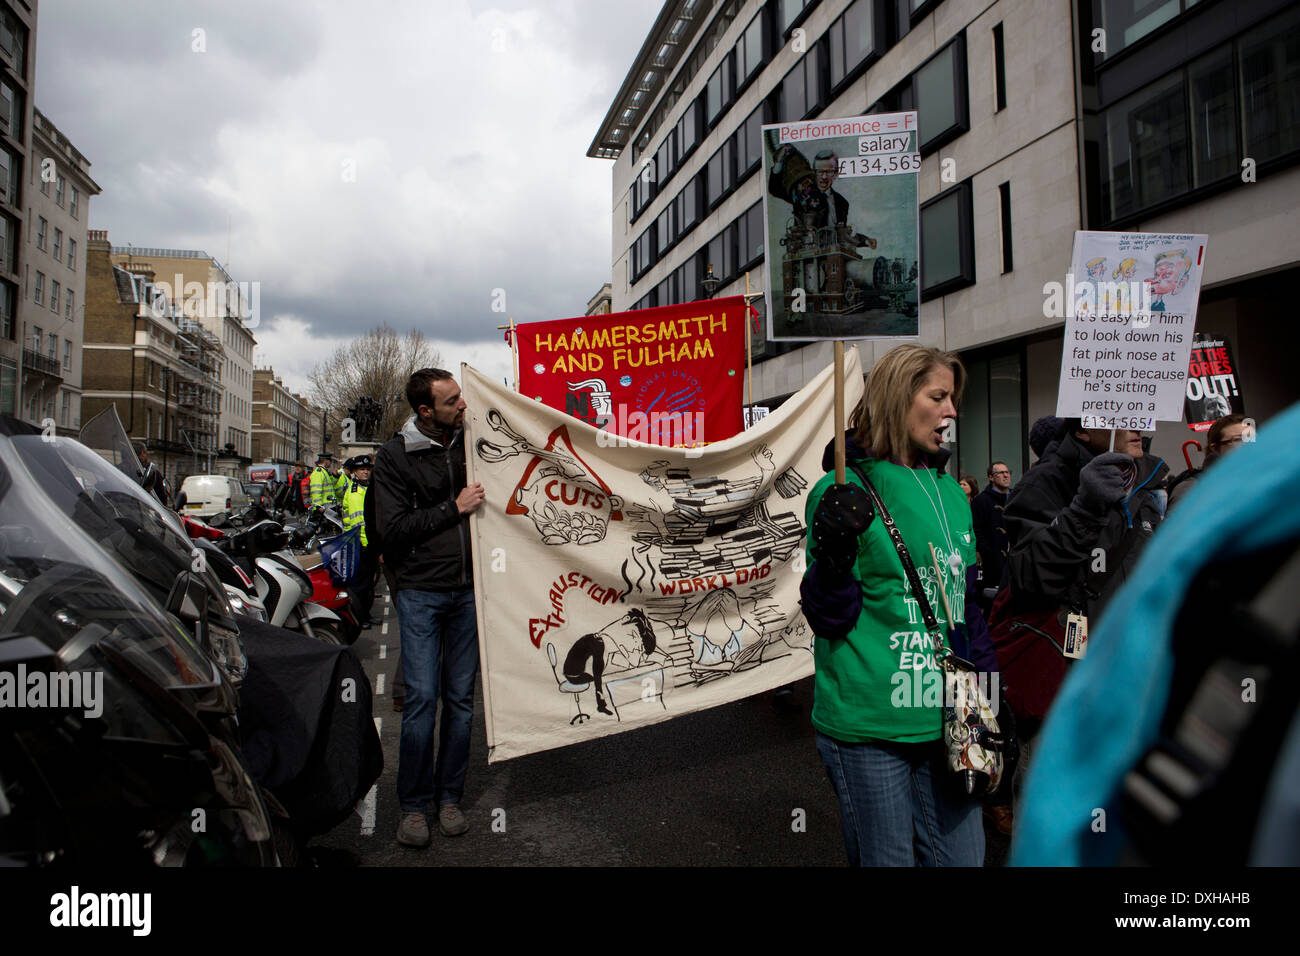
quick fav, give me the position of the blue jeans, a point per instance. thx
(439, 652)
(898, 807)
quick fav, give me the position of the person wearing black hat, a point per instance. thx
(354, 510)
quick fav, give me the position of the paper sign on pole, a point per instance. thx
(842, 225)
(1130, 305)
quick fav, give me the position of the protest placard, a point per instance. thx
(1213, 387)
(1130, 305)
(842, 225)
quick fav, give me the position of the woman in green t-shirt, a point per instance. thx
(878, 689)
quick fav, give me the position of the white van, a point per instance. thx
(206, 495)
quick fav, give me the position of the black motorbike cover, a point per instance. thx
(308, 735)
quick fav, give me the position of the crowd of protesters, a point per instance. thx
(1014, 562)
(1055, 548)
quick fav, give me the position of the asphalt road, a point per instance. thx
(738, 785)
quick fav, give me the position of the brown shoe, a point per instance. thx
(413, 830)
(397, 704)
(1002, 818)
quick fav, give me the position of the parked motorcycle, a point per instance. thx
(95, 598)
(283, 587)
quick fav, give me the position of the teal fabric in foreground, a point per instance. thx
(1109, 709)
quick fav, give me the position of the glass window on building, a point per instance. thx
(990, 421)
(67, 353)
(788, 11)
(55, 300)
(72, 254)
(1127, 21)
(721, 171)
(1213, 117)
(940, 91)
(852, 39)
(687, 205)
(8, 244)
(1269, 65)
(38, 291)
(13, 40)
(7, 297)
(58, 191)
(720, 90)
(750, 243)
(947, 242)
(57, 250)
(749, 141)
(750, 51)
(1144, 155)
(11, 110)
(42, 227)
(74, 202)
(9, 175)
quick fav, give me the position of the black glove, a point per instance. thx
(1105, 481)
(844, 512)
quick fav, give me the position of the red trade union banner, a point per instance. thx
(667, 376)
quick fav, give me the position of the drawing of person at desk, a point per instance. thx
(625, 645)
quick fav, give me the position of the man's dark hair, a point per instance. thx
(141, 448)
(419, 388)
(1220, 426)
(994, 464)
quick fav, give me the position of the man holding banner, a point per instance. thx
(423, 503)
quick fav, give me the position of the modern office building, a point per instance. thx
(52, 309)
(208, 296)
(1036, 119)
(17, 83)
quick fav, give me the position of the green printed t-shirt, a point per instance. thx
(884, 660)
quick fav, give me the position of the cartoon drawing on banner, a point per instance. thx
(1171, 270)
(595, 407)
(567, 502)
(703, 551)
(620, 662)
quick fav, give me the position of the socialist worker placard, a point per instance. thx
(669, 376)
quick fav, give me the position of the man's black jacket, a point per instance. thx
(424, 538)
(990, 534)
(1052, 539)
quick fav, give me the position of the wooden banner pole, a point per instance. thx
(514, 348)
(839, 412)
(749, 351)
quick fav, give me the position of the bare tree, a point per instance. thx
(376, 365)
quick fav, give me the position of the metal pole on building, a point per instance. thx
(166, 377)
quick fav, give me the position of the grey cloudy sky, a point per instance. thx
(465, 125)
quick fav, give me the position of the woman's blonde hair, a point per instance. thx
(879, 422)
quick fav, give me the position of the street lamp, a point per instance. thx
(710, 283)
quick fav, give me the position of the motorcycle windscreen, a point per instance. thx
(105, 436)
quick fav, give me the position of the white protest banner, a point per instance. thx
(842, 227)
(622, 585)
(1130, 305)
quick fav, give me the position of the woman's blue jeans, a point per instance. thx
(898, 806)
